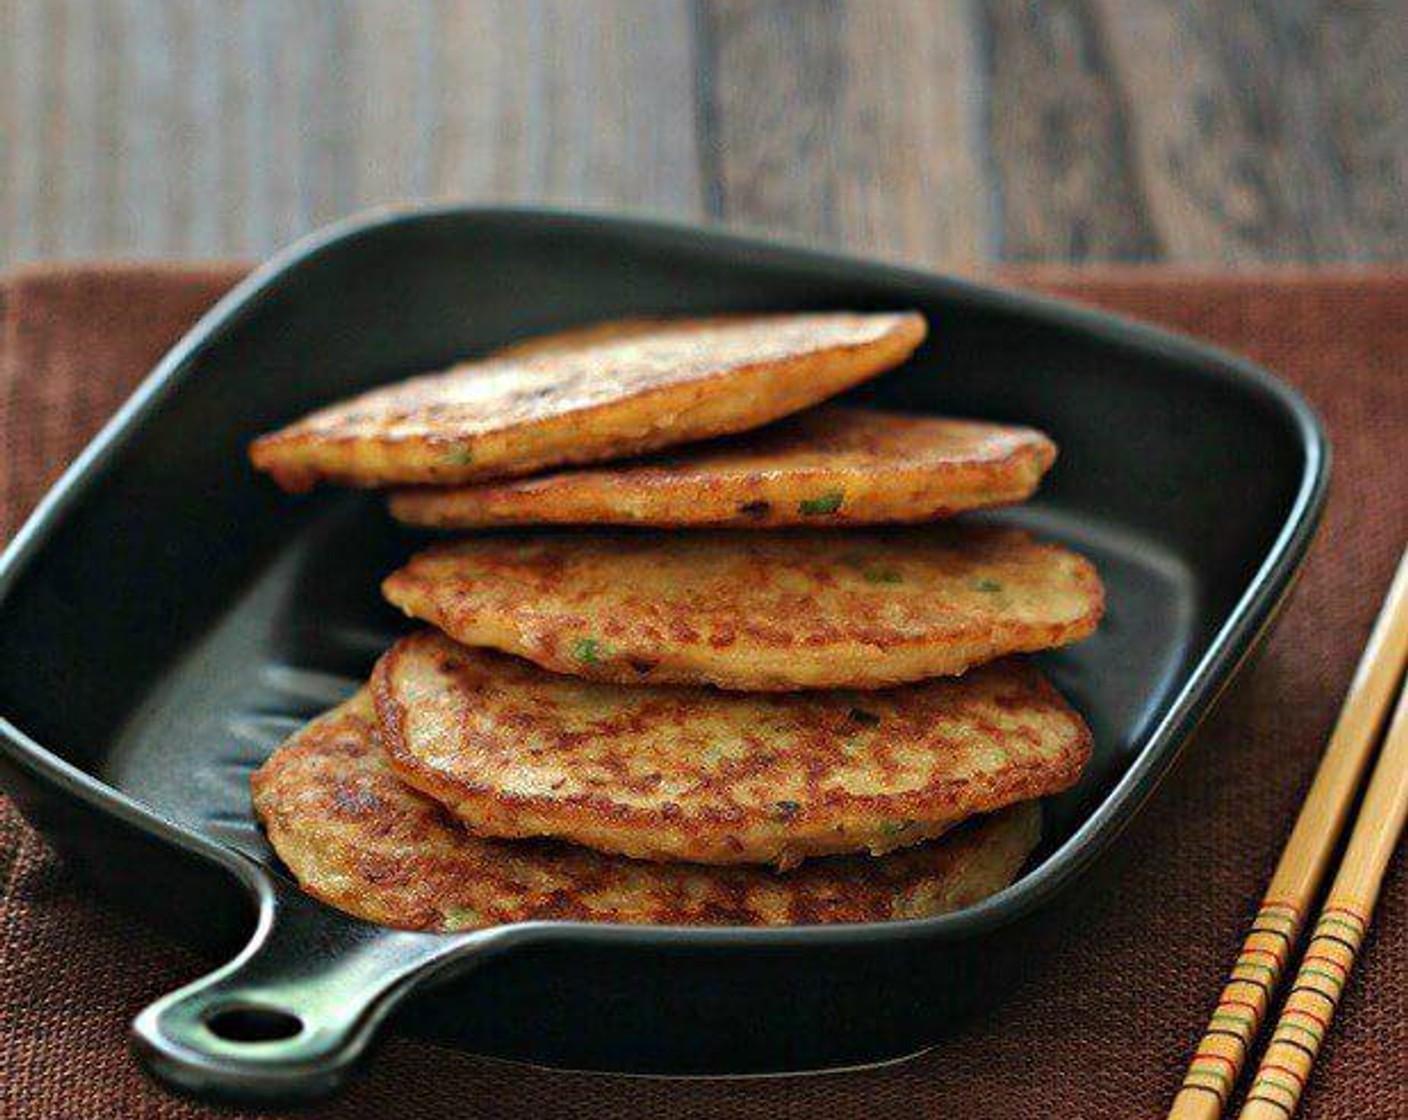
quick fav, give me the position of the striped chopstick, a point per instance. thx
(1217, 1064)
(1335, 942)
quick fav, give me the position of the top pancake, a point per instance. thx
(357, 838)
(829, 466)
(695, 774)
(607, 394)
(755, 611)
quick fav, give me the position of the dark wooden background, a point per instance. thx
(947, 132)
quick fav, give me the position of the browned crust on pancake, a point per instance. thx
(829, 466)
(756, 611)
(357, 838)
(601, 399)
(675, 773)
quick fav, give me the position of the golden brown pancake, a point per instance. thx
(695, 774)
(357, 838)
(829, 466)
(600, 398)
(755, 611)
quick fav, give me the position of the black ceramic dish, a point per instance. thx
(169, 617)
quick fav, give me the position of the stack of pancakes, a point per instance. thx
(764, 679)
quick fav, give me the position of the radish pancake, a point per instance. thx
(695, 774)
(358, 839)
(829, 466)
(603, 397)
(755, 611)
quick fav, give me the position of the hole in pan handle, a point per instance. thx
(289, 1018)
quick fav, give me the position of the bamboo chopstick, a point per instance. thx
(1275, 930)
(1344, 920)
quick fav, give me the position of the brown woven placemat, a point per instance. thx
(1105, 1026)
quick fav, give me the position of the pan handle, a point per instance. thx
(290, 1017)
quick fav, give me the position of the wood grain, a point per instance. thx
(854, 125)
(1058, 129)
(1281, 128)
(566, 103)
(946, 132)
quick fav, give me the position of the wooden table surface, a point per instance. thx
(943, 132)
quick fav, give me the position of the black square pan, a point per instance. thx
(168, 617)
